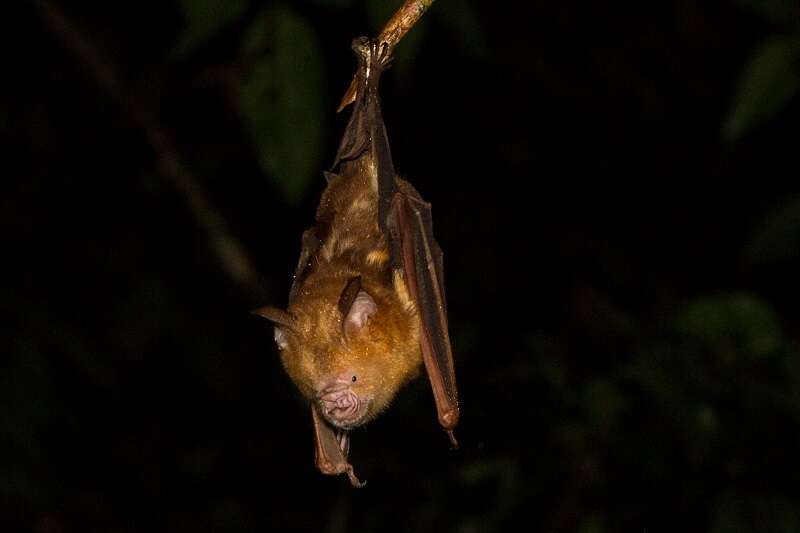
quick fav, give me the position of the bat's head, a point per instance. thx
(349, 348)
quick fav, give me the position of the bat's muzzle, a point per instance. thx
(341, 406)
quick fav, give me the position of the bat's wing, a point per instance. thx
(405, 219)
(330, 449)
(413, 244)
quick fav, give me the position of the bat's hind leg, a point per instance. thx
(374, 53)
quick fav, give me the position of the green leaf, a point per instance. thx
(204, 20)
(740, 322)
(777, 238)
(770, 79)
(777, 11)
(281, 99)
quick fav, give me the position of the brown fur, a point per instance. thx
(385, 354)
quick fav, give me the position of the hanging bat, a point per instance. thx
(367, 307)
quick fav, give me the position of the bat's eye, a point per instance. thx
(353, 379)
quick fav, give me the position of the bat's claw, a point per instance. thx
(384, 53)
(343, 437)
(453, 440)
(449, 419)
(377, 54)
(374, 53)
(357, 483)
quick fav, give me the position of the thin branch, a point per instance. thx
(232, 256)
(401, 22)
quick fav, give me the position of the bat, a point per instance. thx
(367, 307)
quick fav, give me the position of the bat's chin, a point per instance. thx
(342, 407)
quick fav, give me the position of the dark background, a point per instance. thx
(621, 266)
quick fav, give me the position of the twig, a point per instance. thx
(401, 22)
(233, 257)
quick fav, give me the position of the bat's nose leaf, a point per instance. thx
(341, 406)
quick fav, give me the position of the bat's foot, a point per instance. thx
(384, 54)
(376, 55)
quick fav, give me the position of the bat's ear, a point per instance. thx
(356, 307)
(273, 314)
(283, 320)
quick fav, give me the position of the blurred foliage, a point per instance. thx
(280, 95)
(775, 11)
(771, 75)
(771, 78)
(205, 19)
(735, 323)
(776, 240)
(281, 98)
(738, 511)
(461, 19)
